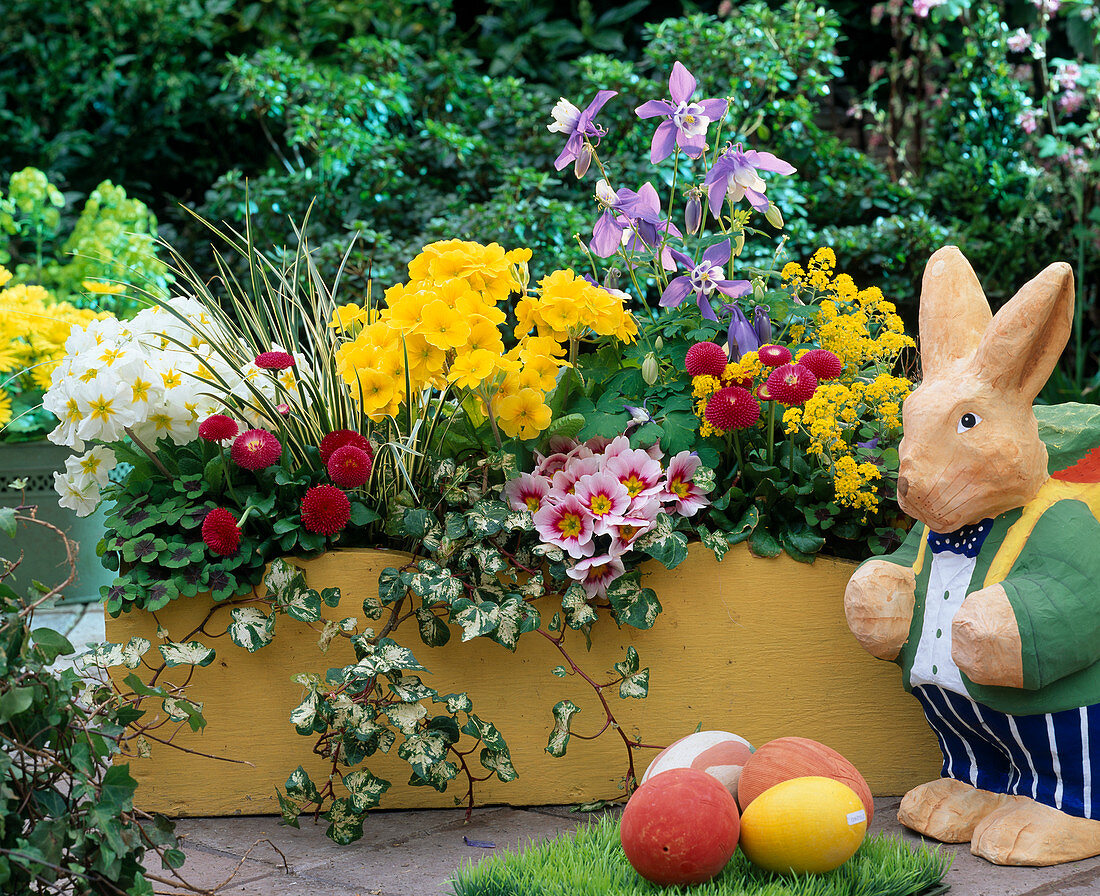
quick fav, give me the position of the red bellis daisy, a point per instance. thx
(325, 510)
(705, 359)
(220, 532)
(338, 438)
(822, 363)
(275, 360)
(218, 428)
(255, 449)
(732, 408)
(791, 384)
(773, 355)
(349, 467)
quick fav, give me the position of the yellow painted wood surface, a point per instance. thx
(757, 647)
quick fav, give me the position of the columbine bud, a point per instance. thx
(739, 243)
(762, 323)
(758, 289)
(584, 159)
(650, 369)
(659, 343)
(774, 216)
(611, 278)
(693, 213)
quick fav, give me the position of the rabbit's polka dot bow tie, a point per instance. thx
(966, 541)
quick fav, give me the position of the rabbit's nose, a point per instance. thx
(903, 486)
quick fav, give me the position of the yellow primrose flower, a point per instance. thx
(470, 369)
(443, 326)
(523, 415)
(102, 288)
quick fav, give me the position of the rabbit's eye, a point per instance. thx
(968, 421)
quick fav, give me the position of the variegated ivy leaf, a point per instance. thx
(437, 775)
(409, 689)
(716, 541)
(487, 517)
(444, 471)
(190, 654)
(332, 629)
(283, 579)
(551, 552)
(144, 751)
(405, 716)
(578, 613)
(704, 478)
(391, 586)
(633, 604)
(534, 586)
(390, 656)
(133, 652)
(304, 605)
(288, 809)
(559, 671)
(523, 520)
(331, 596)
(364, 789)
(559, 737)
(475, 619)
(300, 787)
(432, 540)
(514, 619)
(422, 750)
(635, 685)
(345, 824)
(106, 655)
(180, 709)
(555, 623)
(630, 664)
(490, 560)
(305, 717)
(486, 732)
(499, 761)
(663, 543)
(251, 628)
(456, 703)
(433, 630)
(372, 607)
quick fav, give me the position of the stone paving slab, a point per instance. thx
(415, 853)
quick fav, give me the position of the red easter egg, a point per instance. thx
(680, 827)
(718, 753)
(799, 757)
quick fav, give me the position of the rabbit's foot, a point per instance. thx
(947, 810)
(1029, 833)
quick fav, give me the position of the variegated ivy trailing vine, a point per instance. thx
(480, 571)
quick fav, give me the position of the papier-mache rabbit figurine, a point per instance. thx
(992, 605)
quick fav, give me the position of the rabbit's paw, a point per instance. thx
(947, 810)
(985, 639)
(1029, 833)
(878, 604)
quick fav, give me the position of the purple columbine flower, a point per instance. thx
(742, 336)
(607, 232)
(686, 122)
(630, 220)
(736, 175)
(568, 119)
(704, 278)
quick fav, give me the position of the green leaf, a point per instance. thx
(14, 702)
(475, 619)
(745, 526)
(51, 644)
(578, 612)
(416, 522)
(635, 685)
(289, 810)
(630, 664)
(763, 544)
(7, 521)
(716, 541)
(633, 605)
(305, 717)
(331, 596)
(559, 737)
(300, 787)
(391, 587)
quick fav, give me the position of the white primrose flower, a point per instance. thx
(95, 466)
(105, 403)
(78, 493)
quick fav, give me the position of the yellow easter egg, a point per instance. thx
(808, 825)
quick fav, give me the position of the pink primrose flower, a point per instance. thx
(680, 490)
(527, 492)
(602, 496)
(639, 473)
(567, 524)
(565, 480)
(597, 573)
(639, 519)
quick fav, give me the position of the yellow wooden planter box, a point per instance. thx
(757, 647)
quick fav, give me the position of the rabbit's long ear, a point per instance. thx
(954, 314)
(1026, 338)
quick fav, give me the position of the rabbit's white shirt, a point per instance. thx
(948, 580)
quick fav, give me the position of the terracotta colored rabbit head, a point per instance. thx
(971, 447)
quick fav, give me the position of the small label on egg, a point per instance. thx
(857, 816)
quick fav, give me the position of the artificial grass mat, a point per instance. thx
(591, 862)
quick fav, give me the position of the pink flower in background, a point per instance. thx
(566, 524)
(1068, 75)
(1028, 121)
(923, 7)
(597, 573)
(1018, 41)
(1070, 101)
(680, 489)
(603, 496)
(527, 492)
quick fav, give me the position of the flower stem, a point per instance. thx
(771, 432)
(148, 453)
